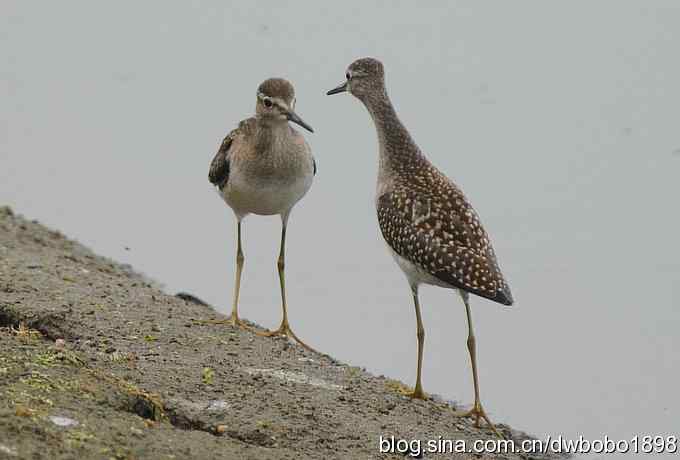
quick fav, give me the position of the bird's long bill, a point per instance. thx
(292, 116)
(340, 89)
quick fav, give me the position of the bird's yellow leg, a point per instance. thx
(418, 392)
(477, 411)
(284, 329)
(234, 320)
(240, 260)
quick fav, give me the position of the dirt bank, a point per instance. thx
(96, 362)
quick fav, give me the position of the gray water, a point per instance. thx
(559, 120)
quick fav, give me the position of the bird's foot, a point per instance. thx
(418, 393)
(415, 393)
(478, 413)
(284, 330)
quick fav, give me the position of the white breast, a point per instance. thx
(264, 198)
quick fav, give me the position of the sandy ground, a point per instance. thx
(97, 362)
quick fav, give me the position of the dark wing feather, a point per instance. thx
(219, 168)
(441, 233)
(314, 163)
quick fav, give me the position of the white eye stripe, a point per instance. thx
(353, 74)
(270, 102)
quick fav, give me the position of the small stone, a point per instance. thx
(59, 344)
(3, 448)
(220, 429)
(64, 422)
(217, 405)
(23, 411)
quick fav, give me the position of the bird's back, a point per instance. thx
(426, 219)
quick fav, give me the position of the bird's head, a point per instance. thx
(364, 77)
(276, 103)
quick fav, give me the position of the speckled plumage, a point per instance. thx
(426, 219)
(423, 216)
(433, 233)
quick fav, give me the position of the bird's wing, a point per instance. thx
(442, 234)
(314, 163)
(219, 168)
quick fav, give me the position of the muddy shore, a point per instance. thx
(98, 362)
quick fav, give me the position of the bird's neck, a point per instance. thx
(271, 133)
(397, 148)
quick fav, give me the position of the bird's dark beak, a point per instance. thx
(292, 116)
(340, 89)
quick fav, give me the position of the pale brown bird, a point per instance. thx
(265, 167)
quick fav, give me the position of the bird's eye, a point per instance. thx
(348, 75)
(268, 103)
